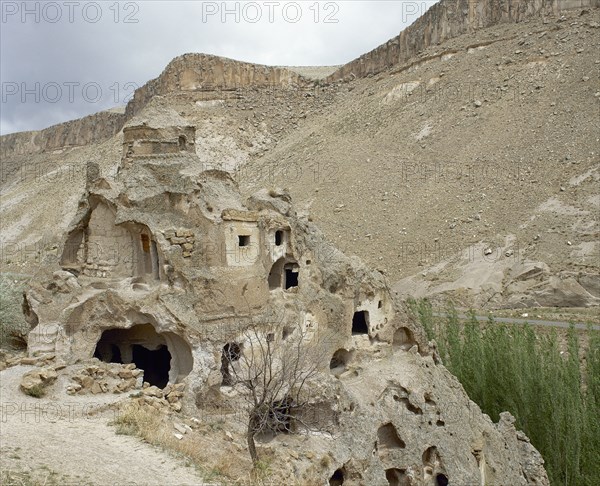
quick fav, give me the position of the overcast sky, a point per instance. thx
(66, 59)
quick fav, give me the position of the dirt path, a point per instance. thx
(56, 441)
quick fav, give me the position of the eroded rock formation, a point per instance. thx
(164, 268)
(445, 20)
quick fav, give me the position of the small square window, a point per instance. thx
(244, 240)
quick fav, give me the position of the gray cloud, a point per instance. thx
(63, 60)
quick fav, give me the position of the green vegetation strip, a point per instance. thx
(552, 388)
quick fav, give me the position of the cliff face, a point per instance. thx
(446, 20)
(187, 73)
(202, 72)
(88, 130)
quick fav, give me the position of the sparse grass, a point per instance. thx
(262, 469)
(44, 476)
(138, 421)
(153, 427)
(325, 461)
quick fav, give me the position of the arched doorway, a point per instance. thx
(164, 357)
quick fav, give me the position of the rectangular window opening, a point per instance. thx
(291, 276)
(278, 238)
(360, 323)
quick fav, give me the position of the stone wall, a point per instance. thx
(448, 19)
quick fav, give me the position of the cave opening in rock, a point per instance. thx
(388, 438)
(337, 478)
(403, 338)
(396, 477)
(155, 363)
(360, 322)
(231, 353)
(441, 480)
(284, 274)
(182, 142)
(164, 357)
(338, 362)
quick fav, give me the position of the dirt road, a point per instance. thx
(59, 440)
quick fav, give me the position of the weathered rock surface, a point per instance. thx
(206, 73)
(502, 280)
(166, 256)
(164, 268)
(445, 20)
(35, 381)
(84, 131)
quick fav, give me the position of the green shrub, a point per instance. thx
(554, 397)
(13, 327)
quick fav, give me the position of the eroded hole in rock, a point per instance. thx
(441, 480)
(430, 456)
(404, 339)
(182, 142)
(409, 406)
(396, 477)
(433, 467)
(338, 362)
(360, 323)
(337, 478)
(388, 438)
(230, 354)
(164, 357)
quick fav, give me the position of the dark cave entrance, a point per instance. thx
(291, 276)
(231, 353)
(441, 480)
(278, 238)
(140, 345)
(337, 479)
(360, 323)
(284, 274)
(156, 364)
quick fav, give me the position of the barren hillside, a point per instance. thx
(493, 136)
(476, 155)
